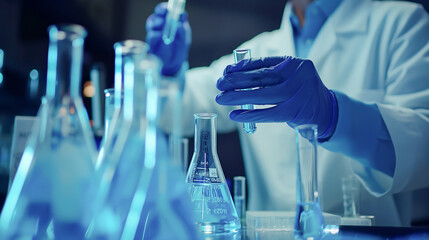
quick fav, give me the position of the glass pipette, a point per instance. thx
(175, 9)
(239, 55)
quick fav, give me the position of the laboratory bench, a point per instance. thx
(333, 233)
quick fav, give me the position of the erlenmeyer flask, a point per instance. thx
(124, 50)
(122, 160)
(166, 212)
(309, 222)
(213, 207)
(51, 196)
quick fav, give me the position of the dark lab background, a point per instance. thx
(218, 27)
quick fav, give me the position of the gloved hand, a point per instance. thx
(291, 84)
(174, 54)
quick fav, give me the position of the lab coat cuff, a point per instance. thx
(356, 142)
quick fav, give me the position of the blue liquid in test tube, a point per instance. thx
(239, 55)
(175, 9)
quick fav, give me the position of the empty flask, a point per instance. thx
(213, 208)
(166, 211)
(51, 196)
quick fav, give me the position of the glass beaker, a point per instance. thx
(239, 55)
(309, 222)
(213, 208)
(53, 190)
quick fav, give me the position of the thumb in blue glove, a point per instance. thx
(292, 85)
(172, 55)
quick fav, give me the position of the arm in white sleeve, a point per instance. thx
(400, 120)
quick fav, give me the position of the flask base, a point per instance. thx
(219, 227)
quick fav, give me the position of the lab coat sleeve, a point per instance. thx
(404, 111)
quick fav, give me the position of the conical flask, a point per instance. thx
(124, 51)
(166, 212)
(309, 222)
(122, 162)
(51, 196)
(213, 207)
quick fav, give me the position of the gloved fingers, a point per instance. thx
(161, 9)
(249, 79)
(154, 38)
(183, 17)
(252, 64)
(270, 114)
(155, 23)
(260, 96)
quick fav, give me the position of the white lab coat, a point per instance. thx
(372, 52)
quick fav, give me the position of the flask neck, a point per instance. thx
(205, 135)
(64, 62)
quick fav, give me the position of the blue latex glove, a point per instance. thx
(291, 84)
(174, 54)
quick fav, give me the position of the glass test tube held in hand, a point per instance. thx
(239, 55)
(175, 9)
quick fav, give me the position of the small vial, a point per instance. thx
(239, 55)
(240, 198)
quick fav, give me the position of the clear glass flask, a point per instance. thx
(166, 213)
(175, 9)
(309, 222)
(241, 54)
(122, 156)
(53, 190)
(128, 50)
(213, 208)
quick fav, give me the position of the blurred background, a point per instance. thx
(218, 27)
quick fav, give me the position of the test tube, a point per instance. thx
(175, 9)
(240, 198)
(239, 55)
(350, 187)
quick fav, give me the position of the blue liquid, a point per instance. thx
(309, 221)
(249, 128)
(214, 211)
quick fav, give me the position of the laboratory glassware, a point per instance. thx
(175, 9)
(109, 108)
(128, 51)
(213, 208)
(309, 222)
(240, 198)
(241, 54)
(350, 189)
(122, 159)
(51, 195)
(166, 213)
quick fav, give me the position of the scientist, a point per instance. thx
(359, 69)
